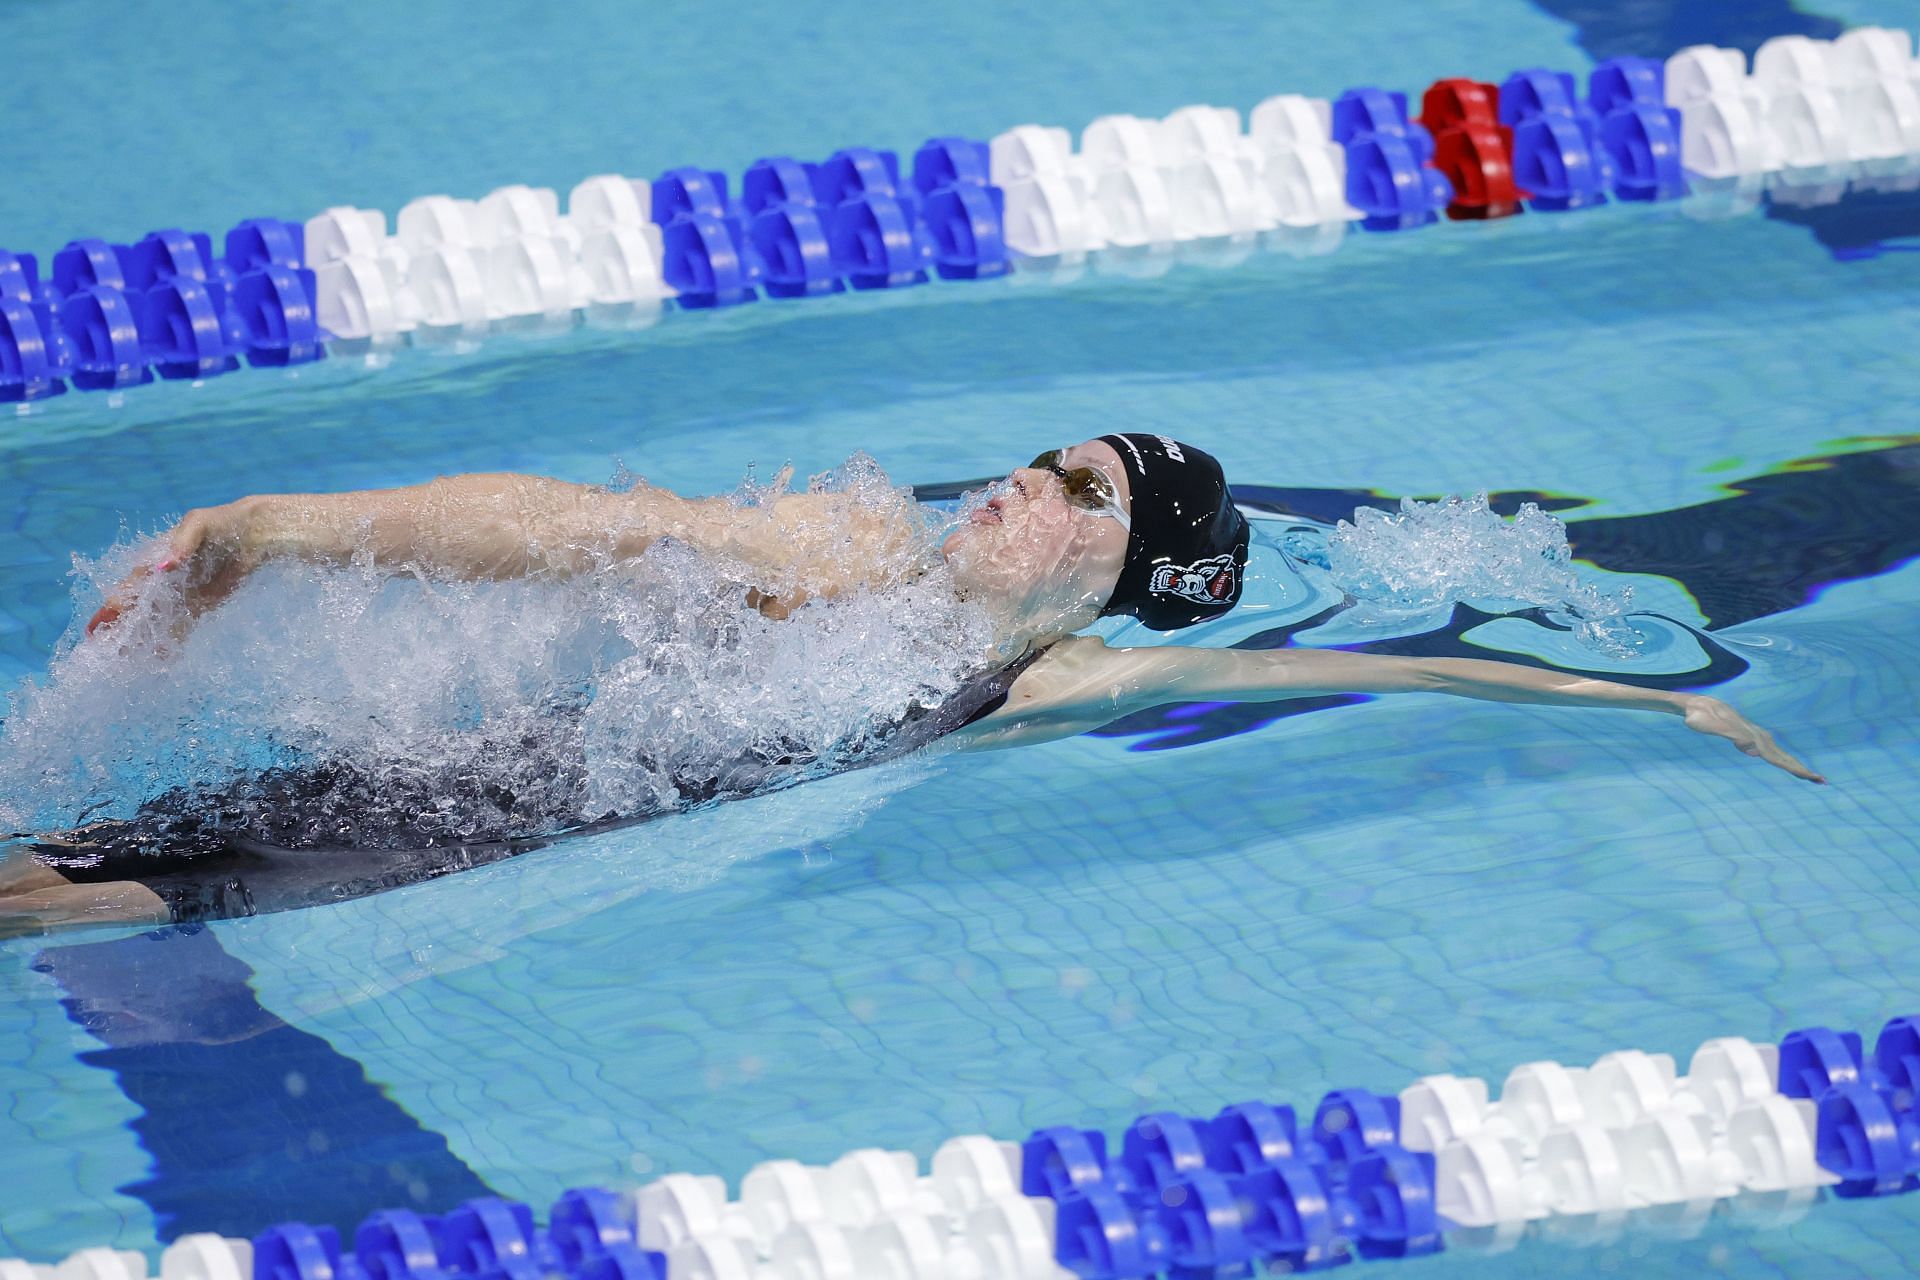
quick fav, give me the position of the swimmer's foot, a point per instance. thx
(1718, 720)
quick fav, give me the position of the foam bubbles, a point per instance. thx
(350, 706)
(1429, 555)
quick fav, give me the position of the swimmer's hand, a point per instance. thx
(208, 555)
(1718, 720)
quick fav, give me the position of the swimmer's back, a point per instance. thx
(179, 848)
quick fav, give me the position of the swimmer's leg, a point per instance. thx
(21, 872)
(36, 899)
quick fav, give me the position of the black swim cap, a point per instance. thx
(1187, 550)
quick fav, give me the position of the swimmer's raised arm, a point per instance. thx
(503, 525)
(472, 526)
(1082, 684)
(493, 525)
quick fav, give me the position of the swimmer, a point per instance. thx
(1138, 525)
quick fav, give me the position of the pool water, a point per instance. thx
(1185, 911)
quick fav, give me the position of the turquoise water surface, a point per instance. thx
(1074, 933)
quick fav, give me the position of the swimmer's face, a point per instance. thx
(1047, 565)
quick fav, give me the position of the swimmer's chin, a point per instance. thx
(964, 554)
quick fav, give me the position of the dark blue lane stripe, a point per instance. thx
(248, 1121)
(1657, 28)
(1858, 225)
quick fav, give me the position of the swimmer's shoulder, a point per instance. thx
(1066, 661)
(1066, 689)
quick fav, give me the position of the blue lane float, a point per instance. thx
(804, 230)
(1640, 133)
(788, 235)
(111, 315)
(86, 264)
(588, 1238)
(1389, 178)
(873, 229)
(1188, 1197)
(106, 350)
(1869, 1120)
(30, 367)
(704, 256)
(964, 212)
(1557, 156)
(32, 361)
(844, 222)
(1622, 139)
(273, 316)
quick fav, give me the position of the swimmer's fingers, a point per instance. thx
(120, 599)
(183, 541)
(1759, 744)
(1780, 758)
(777, 607)
(1716, 719)
(206, 548)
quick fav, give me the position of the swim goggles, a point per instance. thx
(1087, 488)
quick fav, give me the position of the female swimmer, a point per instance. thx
(1125, 524)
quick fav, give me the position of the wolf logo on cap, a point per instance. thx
(1208, 581)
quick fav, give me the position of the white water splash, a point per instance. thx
(1430, 555)
(482, 708)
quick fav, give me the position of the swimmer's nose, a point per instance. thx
(1030, 480)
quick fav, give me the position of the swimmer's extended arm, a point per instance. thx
(494, 525)
(502, 525)
(1081, 684)
(470, 526)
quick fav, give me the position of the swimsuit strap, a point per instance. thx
(994, 687)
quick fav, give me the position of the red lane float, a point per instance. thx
(1472, 148)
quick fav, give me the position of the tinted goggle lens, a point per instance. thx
(1086, 487)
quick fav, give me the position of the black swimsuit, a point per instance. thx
(284, 844)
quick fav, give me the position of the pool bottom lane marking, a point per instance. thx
(248, 1121)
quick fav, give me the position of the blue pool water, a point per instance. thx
(1073, 933)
